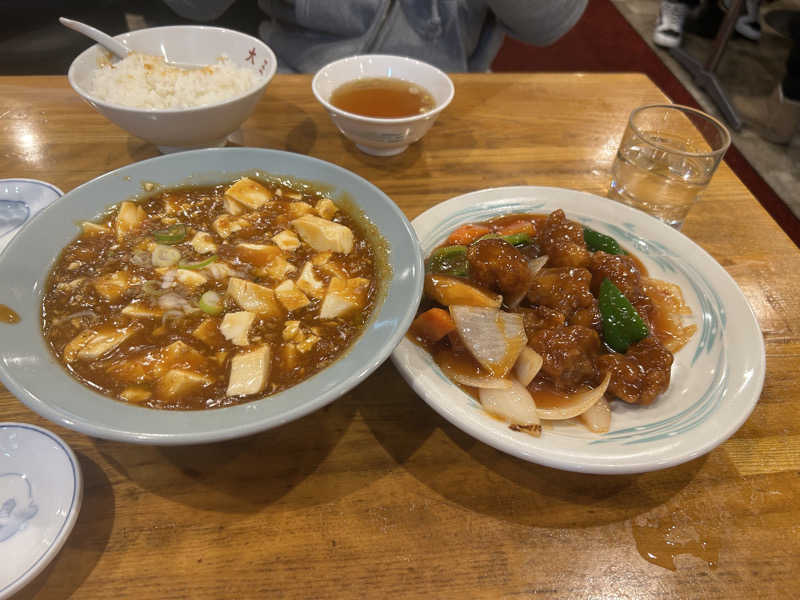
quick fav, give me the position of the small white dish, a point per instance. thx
(41, 489)
(178, 129)
(376, 136)
(716, 378)
(20, 199)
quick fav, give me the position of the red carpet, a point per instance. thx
(603, 41)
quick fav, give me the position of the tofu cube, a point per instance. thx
(112, 286)
(291, 297)
(227, 225)
(203, 243)
(278, 269)
(231, 206)
(344, 297)
(136, 394)
(309, 283)
(250, 193)
(254, 297)
(93, 343)
(129, 217)
(250, 371)
(286, 240)
(181, 354)
(236, 325)
(326, 208)
(90, 228)
(139, 310)
(189, 278)
(208, 333)
(258, 255)
(298, 209)
(179, 383)
(323, 235)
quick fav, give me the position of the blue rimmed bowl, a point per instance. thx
(32, 374)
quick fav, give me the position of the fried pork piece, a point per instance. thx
(566, 290)
(535, 318)
(624, 273)
(641, 374)
(569, 355)
(499, 266)
(562, 240)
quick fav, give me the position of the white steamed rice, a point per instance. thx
(143, 81)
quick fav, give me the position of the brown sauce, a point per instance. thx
(7, 315)
(382, 97)
(662, 542)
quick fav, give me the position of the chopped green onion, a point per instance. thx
(210, 303)
(598, 241)
(197, 265)
(174, 234)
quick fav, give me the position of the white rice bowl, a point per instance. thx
(133, 104)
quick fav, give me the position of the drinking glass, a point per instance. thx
(666, 158)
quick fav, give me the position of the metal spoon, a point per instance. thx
(114, 46)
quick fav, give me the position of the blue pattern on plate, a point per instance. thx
(711, 325)
(15, 210)
(17, 506)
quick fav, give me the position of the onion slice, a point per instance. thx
(514, 405)
(528, 364)
(464, 370)
(534, 265)
(597, 417)
(494, 337)
(574, 404)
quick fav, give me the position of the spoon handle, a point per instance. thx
(98, 36)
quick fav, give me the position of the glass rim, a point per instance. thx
(684, 109)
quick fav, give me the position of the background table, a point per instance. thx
(376, 495)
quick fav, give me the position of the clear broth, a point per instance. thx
(382, 97)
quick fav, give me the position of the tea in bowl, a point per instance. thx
(382, 103)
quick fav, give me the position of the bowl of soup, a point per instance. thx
(382, 103)
(205, 295)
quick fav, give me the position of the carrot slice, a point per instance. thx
(517, 227)
(433, 324)
(466, 234)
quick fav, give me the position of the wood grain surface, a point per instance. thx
(375, 495)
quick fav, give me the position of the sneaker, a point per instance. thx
(668, 32)
(775, 117)
(748, 25)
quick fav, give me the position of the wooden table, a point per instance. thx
(376, 495)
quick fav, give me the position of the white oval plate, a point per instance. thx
(716, 378)
(20, 199)
(40, 497)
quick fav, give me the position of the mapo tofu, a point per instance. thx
(204, 297)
